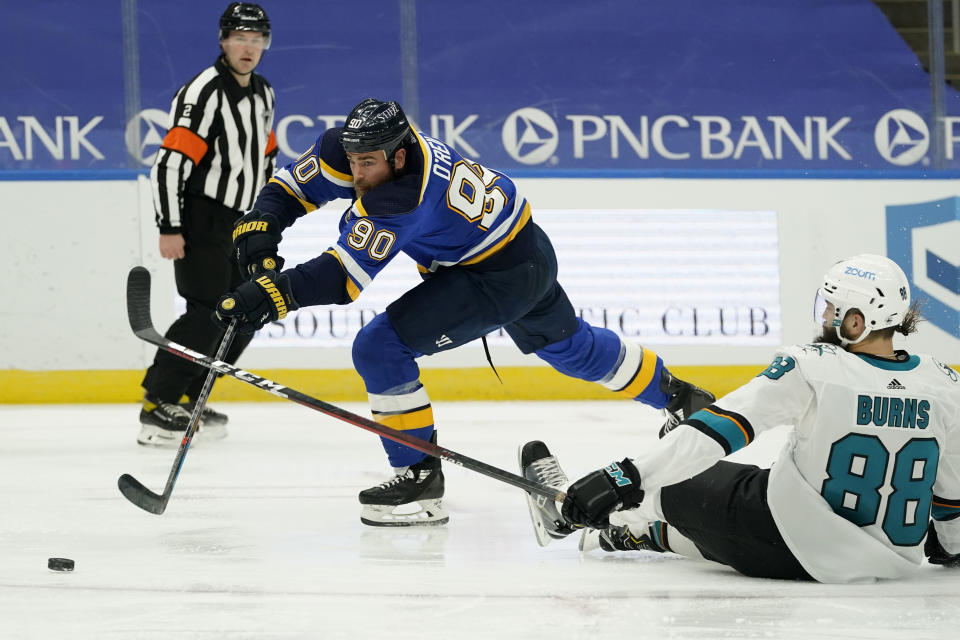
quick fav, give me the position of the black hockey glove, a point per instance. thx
(256, 238)
(935, 552)
(591, 499)
(257, 302)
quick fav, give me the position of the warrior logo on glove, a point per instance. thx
(244, 228)
(280, 305)
(254, 303)
(256, 238)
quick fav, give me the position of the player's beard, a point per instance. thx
(829, 335)
(363, 187)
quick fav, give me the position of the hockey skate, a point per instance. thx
(538, 465)
(620, 538)
(213, 424)
(162, 424)
(411, 497)
(685, 400)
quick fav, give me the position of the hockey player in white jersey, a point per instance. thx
(874, 455)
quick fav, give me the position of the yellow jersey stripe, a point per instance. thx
(426, 164)
(358, 208)
(524, 219)
(308, 206)
(353, 291)
(343, 179)
(353, 269)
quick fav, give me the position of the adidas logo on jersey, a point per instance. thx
(895, 384)
(444, 341)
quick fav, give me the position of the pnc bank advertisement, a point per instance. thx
(537, 86)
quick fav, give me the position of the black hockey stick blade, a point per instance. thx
(138, 313)
(138, 300)
(138, 310)
(135, 492)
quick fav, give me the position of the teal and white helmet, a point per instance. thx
(874, 285)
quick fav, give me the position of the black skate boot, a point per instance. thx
(685, 400)
(614, 538)
(409, 498)
(538, 465)
(163, 424)
(213, 424)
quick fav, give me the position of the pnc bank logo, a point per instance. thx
(530, 135)
(144, 134)
(902, 137)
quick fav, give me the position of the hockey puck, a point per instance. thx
(60, 564)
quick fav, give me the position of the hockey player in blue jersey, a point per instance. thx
(485, 264)
(867, 484)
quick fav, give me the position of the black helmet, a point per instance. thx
(374, 125)
(245, 16)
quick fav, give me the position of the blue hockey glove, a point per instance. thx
(257, 302)
(256, 239)
(591, 499)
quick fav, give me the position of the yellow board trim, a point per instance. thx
(648, 366)
(344, 385)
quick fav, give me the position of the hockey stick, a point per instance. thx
(138, 311)
(131, 488)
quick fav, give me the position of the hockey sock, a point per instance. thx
(405, 408)
(599, 355)
(392, 378)
(658, 535)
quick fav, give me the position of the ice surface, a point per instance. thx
(262, 539)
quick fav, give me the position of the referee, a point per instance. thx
(219, 151)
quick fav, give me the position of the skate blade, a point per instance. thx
(153, 436)
(539, 530)
(589, 541)
(422, 513)
(211, 432)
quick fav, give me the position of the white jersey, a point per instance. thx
(874, 453)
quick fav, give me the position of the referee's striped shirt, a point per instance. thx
(220, 144)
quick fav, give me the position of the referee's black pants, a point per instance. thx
(207, 271)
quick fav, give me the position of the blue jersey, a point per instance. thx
(443, 209)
